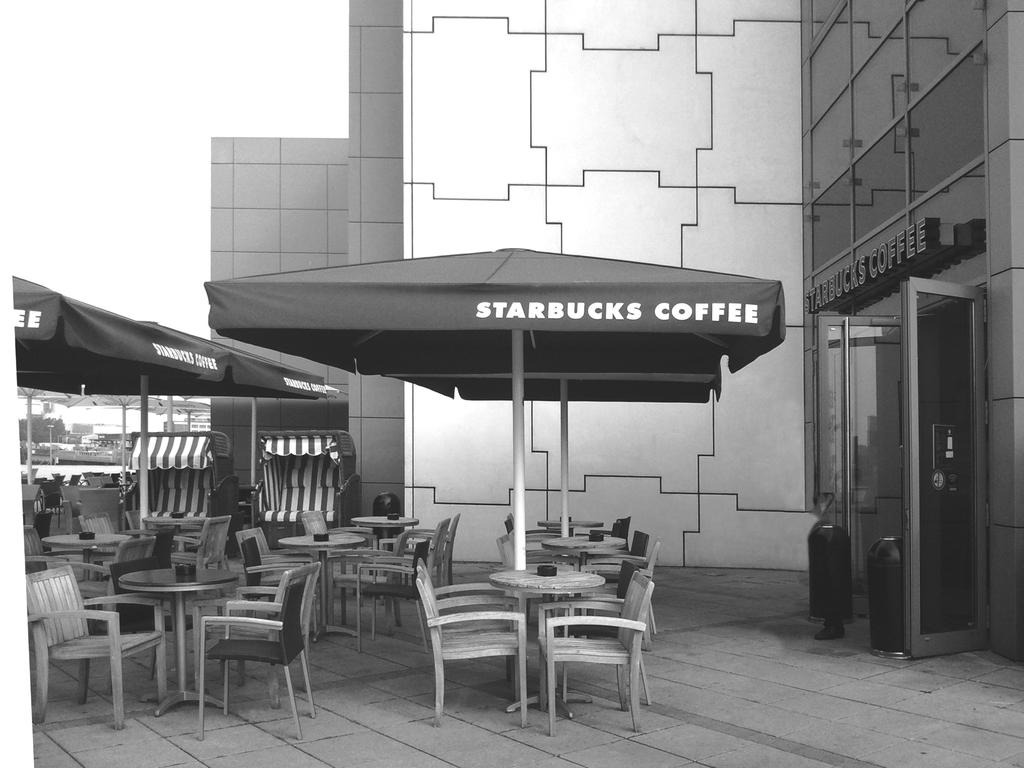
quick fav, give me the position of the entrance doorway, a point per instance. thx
(900, 431)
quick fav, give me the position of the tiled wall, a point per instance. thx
(666, 132)
(278, 205)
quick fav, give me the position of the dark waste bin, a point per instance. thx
(885, 597)
(830, 584)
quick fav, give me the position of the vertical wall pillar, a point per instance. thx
(376, 404)
(1005, 233)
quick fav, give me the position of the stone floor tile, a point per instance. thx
(761, 756)
(917, 754)
(230, 740)
(843, 739)
(276, 757)
(365, 750)
(625, 752)
(144, 754)
(692, 741)
(975, 741)
(325, 725)
(570, 735)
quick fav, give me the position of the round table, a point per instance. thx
(323, 549)
(189, 521)
(168, 581)
(104, 542)
(556, 525)
(381, 524)
(579, 547)
(564, 583)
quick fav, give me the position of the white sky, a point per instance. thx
(109, 107)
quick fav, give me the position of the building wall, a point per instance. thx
(375, 226)
(1005, 149)
(665, 132)
(278, 205)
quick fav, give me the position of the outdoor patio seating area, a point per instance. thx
(735, 680)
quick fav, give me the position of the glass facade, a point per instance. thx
(895, 113)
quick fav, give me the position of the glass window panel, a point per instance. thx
(939, 32)
(831, 222)
(880, 190)
(808, 189)
(872, 20)
(948, 126)
(878, 89)
(957, 205)
(830, 67)
(830, 158)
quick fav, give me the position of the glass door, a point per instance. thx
(944, 534)
(860, 432)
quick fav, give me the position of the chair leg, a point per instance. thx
(423, 627)
(42, 684)
(438, 688)
(309, 687)
(634, 691)
(521, 672)
(643, 679)
(359, 620)
(201, 686)
(551, 680)
(160, 663)
(291, 698)
(620, 679)
(117, 689)
(83, 680)
(224, 676)
(274, 687)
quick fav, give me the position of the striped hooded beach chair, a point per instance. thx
(190, 472)
(307, 470)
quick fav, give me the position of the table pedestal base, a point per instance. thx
(562, 703)
(174, 698)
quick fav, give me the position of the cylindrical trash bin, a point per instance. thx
(830, 584)
(885, 597)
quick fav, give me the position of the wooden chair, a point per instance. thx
(472, 622)
(59, 622)
(607, 563)
(287, 625)
(268, 555)
(624, 650)
(392, 577)
(210, 545)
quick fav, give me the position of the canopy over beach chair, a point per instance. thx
(190, 472)
(307, 470)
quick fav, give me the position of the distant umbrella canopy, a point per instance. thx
(614, 330)
(66, 345)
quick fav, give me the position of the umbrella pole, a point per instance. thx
(144, 453)
(518, 452)
(252, 466)
(28, 439)
(169, 417)
(563, 418)
(124, 437)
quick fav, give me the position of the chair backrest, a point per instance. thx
(33, 544)
(162, 546)
(510, 523)
(652, 558)
(41, 522)
(134, 518)
(253, 533)
(425, 586)
(295, 594)
(252, 557)
(506, 548)
(637, 603)
(626, 571)
(449, 547)
(638, 547)
(74, 479)
(313, 521)
(55, 589)
(96, 524)
(367, 533)
(436, 550)
(212, 542)
(132, 617)
(134, 548)
(620, 528)
(96, 502)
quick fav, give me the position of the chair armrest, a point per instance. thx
(476, 588)
(593, 621)
(78, 565)
(239, 621)
(256, 591)
(110, 617)
(464, 618)
(591, 602)
(123, 599)
(613, 558)
(251, 605)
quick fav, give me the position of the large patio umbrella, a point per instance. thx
(594, 329)
(66, 345)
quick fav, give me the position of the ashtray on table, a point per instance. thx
(547, 570)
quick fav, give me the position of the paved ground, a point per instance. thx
(736, 677)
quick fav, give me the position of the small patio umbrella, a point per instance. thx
(516, 324)
(42, 395)
(63, 344)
